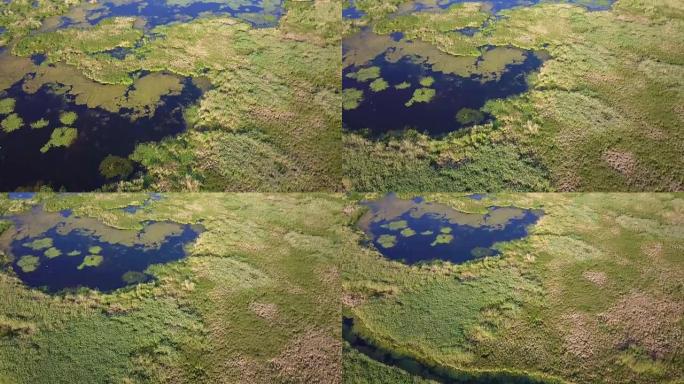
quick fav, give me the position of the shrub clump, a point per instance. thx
(116, 166)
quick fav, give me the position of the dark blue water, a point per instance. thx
(351, 12)
(468, 31)
(121, 265)
(38, 58)
(100, 133)
(477, 196)
(21, 195)
(135, 208)
(397, 36)
(420, 231)
(385, 111)
(158, 12)
(66, 212)
(118, 53)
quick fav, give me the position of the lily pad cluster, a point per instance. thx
(62, 136)
(10, 120)
(389, 241)
(353, 97)
(29, 263)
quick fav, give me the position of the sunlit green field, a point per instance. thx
(592, 295)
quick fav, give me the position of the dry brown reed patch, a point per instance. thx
(598, 278)
(648, 321)
(579, 335)
(623, 162)
(268, 311)
(314, 357)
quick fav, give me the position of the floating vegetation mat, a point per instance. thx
(58, 251)
(415, 231)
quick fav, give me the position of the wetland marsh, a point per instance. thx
(560, 110)
(189, 288)
(153, 82)
(591, 293)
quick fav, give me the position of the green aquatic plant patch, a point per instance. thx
(28, 263)
(11, 123)
(378, 85)
(91, 261)
(351, 98)
(60, 137)
(7, 106)
(421, 95)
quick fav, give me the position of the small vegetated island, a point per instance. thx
(138, 288)
(513, 288)
(443, 95)
(170, 95)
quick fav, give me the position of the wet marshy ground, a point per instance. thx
(351, 12)
(412, 85)
(415, 231)
(433, 373)
(259, 13)
(392, 84)
(58, 251)
(498, 5)
(62, 142)
(64, 131)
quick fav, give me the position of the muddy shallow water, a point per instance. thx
(416, 231)
(58, 250)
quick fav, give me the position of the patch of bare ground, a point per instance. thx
(652, 250)
(598, 278)
(648, 321)
(266, 311)
(352, 300)
(247, 368)
(654, 133)
(349, 209)
(329, 275)
(568, 181)
(623, 162)
(579, 335)
(314, 357)
(679, 110)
